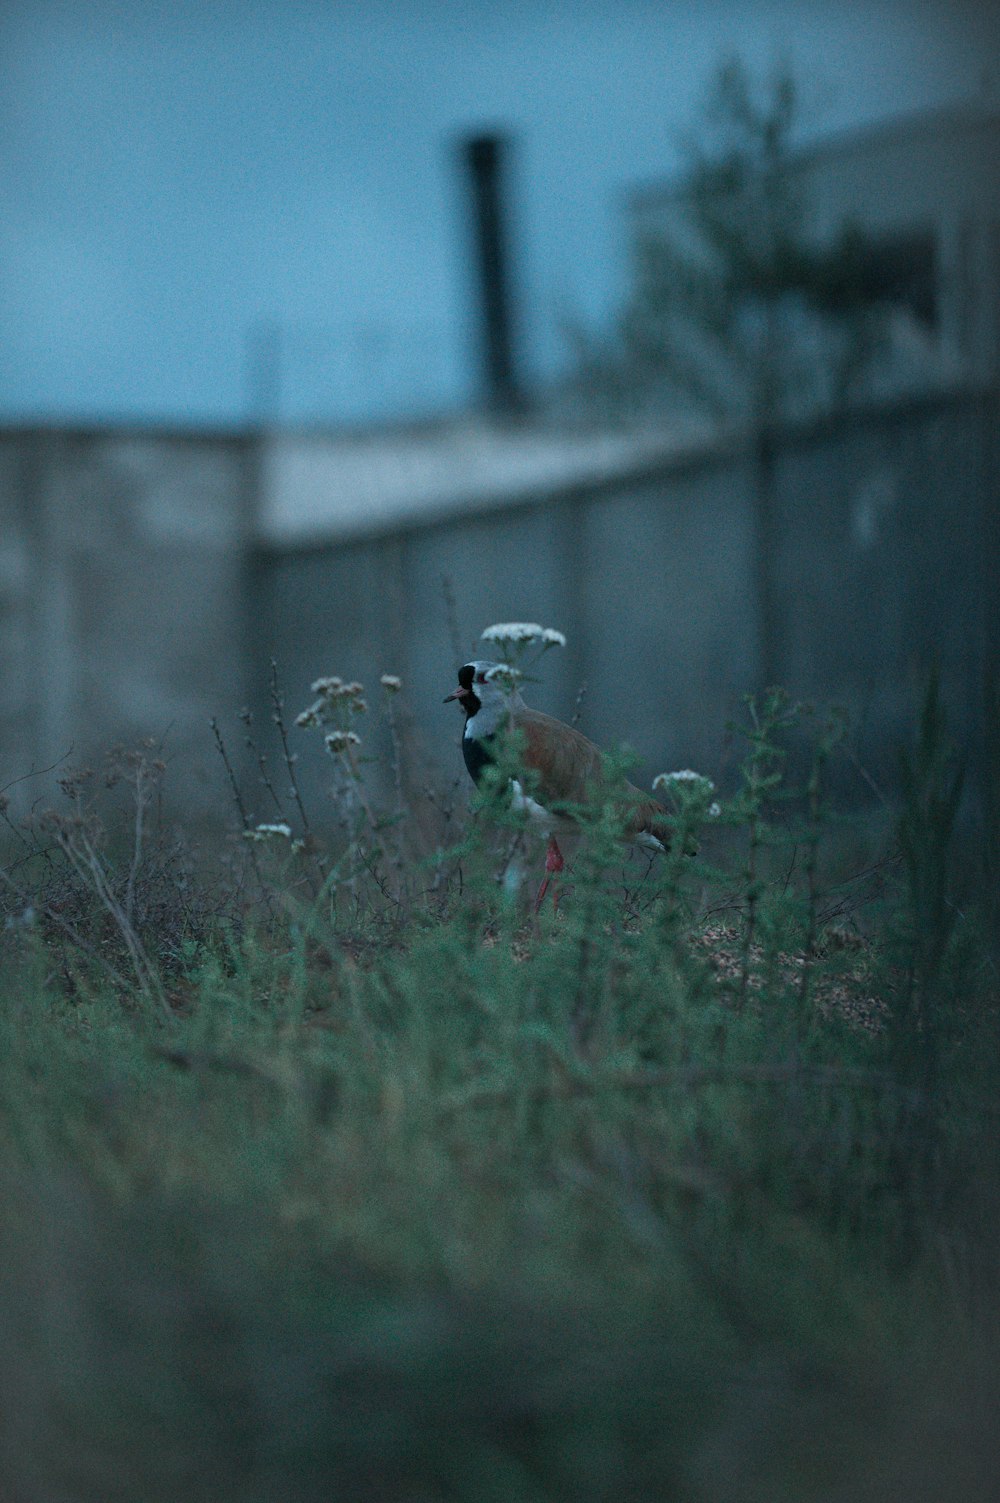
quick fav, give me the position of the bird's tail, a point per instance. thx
(649, 818)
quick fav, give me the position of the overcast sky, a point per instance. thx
(179, 178)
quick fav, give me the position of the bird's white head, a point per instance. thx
(487, 693)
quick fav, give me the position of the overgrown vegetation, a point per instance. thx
(331, 1172)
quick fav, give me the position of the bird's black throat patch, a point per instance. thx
(477, 754)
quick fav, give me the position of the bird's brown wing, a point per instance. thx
(566, 765)
(569, 770)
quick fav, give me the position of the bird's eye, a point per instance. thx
(480, 678)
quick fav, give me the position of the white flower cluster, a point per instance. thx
(694, 783)
(686, 775)
(523, 631)
(269, 832)
(334, 695)
(391, 683)
(339, 741)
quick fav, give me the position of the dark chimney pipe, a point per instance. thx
(484, 158)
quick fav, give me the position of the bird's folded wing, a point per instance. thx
(566, 765)
(569, 770)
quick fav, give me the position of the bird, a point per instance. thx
(566, 769)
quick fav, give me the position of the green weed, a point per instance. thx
(346, 1176)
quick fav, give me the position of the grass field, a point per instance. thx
(329, 1171)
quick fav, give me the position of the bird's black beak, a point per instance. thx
(459, 693)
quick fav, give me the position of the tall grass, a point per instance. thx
(340, 1174)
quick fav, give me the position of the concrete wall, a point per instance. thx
(122, 600)
(650, 582)
(881, 557)
(134, 601)
(886, 558)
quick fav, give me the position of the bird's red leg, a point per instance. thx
(553, 863)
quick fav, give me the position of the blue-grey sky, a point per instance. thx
(180, 177)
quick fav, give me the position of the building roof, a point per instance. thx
(905, 131)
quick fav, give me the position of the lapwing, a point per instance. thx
(565, 767)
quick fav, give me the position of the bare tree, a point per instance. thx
(738, 309)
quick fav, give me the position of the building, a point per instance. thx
(924, 195)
